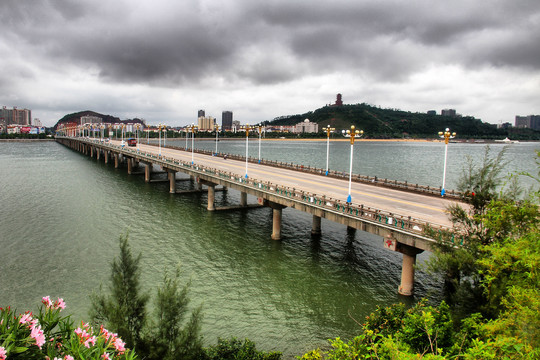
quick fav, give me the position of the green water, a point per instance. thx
(61, 215)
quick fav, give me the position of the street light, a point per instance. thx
(137, 127)
(328, 131)
(217, 132)
(102, 127)
(446, 135)
(353, 133)
(187, 135)
(247, 128)
(260, 133)
(193, 128)
(122, 131)
(160, 127)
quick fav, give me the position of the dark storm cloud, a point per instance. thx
(172, 44)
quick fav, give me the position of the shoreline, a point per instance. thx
(25, 140)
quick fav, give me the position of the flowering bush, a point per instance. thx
(51, 336)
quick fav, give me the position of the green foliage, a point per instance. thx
(234, 349)
(166, 338)
(124, 309)
(52, 336)
(170, 335)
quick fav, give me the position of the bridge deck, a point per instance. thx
(426, 208)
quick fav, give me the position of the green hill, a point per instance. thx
(393, 123)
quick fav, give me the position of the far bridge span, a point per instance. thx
(399, 216)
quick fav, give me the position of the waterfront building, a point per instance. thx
(306, 127)
(529, 121)
(15, 116)
(226, 120)
(206, 123)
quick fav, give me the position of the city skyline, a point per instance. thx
(162, 61)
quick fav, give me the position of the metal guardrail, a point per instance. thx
(370, 214)
(373, 180)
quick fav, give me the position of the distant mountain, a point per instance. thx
(394, 123)
(109, 119)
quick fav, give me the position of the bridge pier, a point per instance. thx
(98, 155)
(243, 198)
(106, 154)
(130, 166)
(172, 181)
(277, 210)
(406, 287)
(211, 197)
(316, 226)
(116, 160)
(147, 172)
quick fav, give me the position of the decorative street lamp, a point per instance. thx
(123, 126)
(260, 133)
(187, 135)
(193, 128)
(137, 127)
(446, 135)
(217, 132)
(247, 128)
(353, 133)
(102, 127)
(160, 127)
(328, 130)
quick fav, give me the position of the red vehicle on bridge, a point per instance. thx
(132, 142)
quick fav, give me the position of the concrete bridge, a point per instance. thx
(400, 217)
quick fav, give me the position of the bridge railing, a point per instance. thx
(373, 180)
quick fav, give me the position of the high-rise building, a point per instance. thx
(448, 112)
(91, 120)
(16, 116)
(201, 113)
(226, 120)
(206, 123)
(529, 121)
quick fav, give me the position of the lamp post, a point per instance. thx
(137, 126)
(353, 133)
(260, 134)
(247, 128)
(187, 135)
(446, 135)
(217, 132)
(122, 131)
(102, 127)
(159, 131)
(193, 129)
(328, 130)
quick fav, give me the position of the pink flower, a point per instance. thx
(119, 345)
(25, 318)
(3, 353)
(69, 357)
(60, 304)
(46, 300)
(90, 340)
(106, 356)
(37, 334)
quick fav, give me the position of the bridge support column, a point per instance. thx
(130, 166)
(172, 181)
(116, 161)
(106, 154)
(98, 155)
(147, 172)
(406, 287)
(91, 151)
(316, 226)
(243, 199)
(211, 197)
(276, 219)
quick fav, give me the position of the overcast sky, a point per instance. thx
(162, 60)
